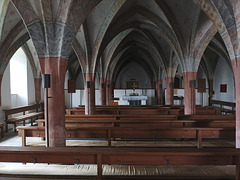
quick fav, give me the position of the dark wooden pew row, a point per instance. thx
(210, 116)
(209, 120)
(149, 121)
(222, 105)
(130, 111)
(122, 156)
(119, 117)
(153, 133)
(149, 110)
(145, 123)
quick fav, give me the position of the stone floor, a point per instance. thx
(44, 171)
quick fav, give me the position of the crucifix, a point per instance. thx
(134, 86)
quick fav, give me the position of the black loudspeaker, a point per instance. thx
(46, 80)
(88, 84)
(192, 83)
(108, 85)
(171, 85)
(102, 85)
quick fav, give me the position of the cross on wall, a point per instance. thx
(134, 86)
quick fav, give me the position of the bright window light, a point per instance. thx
(18, 78)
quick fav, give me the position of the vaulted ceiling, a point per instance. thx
(103, 36)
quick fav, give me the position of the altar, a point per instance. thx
(135, 100)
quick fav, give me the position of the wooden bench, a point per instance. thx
(149, 110)
(222, 104)
(118, 117)
(25, 116)
(154, 133)
(147, 123)
(123, 156)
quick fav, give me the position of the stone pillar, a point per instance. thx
(89, 93)
(56, 67)
(159, 93)
(102, 91)
(1, 76)
(169, 89)
(37, 83)
(189, 92)
(108, 92)
(236, 70)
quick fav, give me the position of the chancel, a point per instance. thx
(155, 90)
(134, 98)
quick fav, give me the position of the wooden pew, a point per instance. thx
(122, 156)
(154, 133)
(141, 111)
(146, 123)
(159, 110)
(25, 116)
(222, 104)
(118, 117)
(210, 117)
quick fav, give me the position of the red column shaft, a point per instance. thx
(108, 92)
(56, 67)
(189, 92)
(169, 89)
(37, 83)
(89, 93)
(236, 70)
(102, 91)
(159, 92)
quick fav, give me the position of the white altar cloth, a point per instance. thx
(134, 98)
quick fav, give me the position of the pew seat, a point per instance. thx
(122, 156)
(146, 123)
(32, 113)
(153, 133)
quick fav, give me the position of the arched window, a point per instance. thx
(18, 79)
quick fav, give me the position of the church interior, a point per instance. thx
(120, 89)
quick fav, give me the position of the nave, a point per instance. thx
(167, 171)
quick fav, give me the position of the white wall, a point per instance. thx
(180, 92)
(223, 75)
(30, 85)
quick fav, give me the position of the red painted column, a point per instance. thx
(102, 91)
(169, 89)
(37, 83)
(236, 70)
(56, 67)
(108, 92)
(159, 92)
(1, 76)
(189, 92)
(89, 93)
